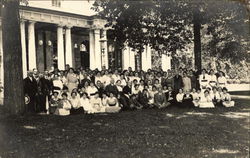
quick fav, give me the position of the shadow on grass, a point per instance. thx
(171, 132)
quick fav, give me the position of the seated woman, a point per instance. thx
(135, 103)
(104, 100)
(152, 94)
(216, 97)
(91, 90)
(157, 83)
(65, 106)
(136, 89)
(226, 98)
(96, 104)
(54, 102)
(179, 97)
(196, 96)
(170, 96)
(113, 105)
(76, 104)
(57, 83)
(141, 86)
(85, 103)
(143, 99)
(119, 86)
(206, 100)
(165, 89)
(187, 99)
(160, 99)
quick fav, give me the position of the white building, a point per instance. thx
(57, 32)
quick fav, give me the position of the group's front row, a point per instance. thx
(63, 103)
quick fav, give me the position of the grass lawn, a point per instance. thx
(172, 132)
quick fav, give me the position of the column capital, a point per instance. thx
(60, 26)
(68, 26)
(32, 22)
(22, 20)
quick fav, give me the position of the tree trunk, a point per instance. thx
(12, 57)
(197, 38)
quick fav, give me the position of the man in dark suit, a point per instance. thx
(30, 91)
(178, 84)
(112, 88)
(43, 91)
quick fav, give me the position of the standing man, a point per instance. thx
(178, 84)
(42, 93)
(30, 92)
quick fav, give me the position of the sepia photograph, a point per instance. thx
(124, 78)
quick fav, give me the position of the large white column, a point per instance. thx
(125, 58)
(166, 62)
(132, 59)
(105, 46)
(68, 48)
(98, 54)
(169, 61)
(23, 42)
(149, 57)
(32, 45)
(91, 50)
(60, 48)
(144, 59)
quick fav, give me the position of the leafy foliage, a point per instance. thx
(167, 25)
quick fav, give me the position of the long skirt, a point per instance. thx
(76, 111)
(62, 112)
(206, 105)
(112, 109)
(228, 103)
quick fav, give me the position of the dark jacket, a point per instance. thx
(30, 86)
(178, 84)
(112, 88)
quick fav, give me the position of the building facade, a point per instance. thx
(55, 33)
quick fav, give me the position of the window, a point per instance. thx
(56, 3)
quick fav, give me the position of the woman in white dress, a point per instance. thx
(104, 100)
(57, 84)
(206, 101)
(91, 90)
(226, 98)
(65, 106)
(186, 82)
(196, 96)
(113, 105)
(96, 104)
(215, 96)
(76, 104)
(72, 80)
(179, 97)
(204, 80)
(151, 94)
(213, 79)
(222, 81)
(85, 103)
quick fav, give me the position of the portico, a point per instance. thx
(36, 20)
(52, 39)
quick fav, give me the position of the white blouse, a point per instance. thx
(179, 97)
(222, 80)
(75, 103)
(85, 104)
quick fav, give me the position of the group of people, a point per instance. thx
(108, 91)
